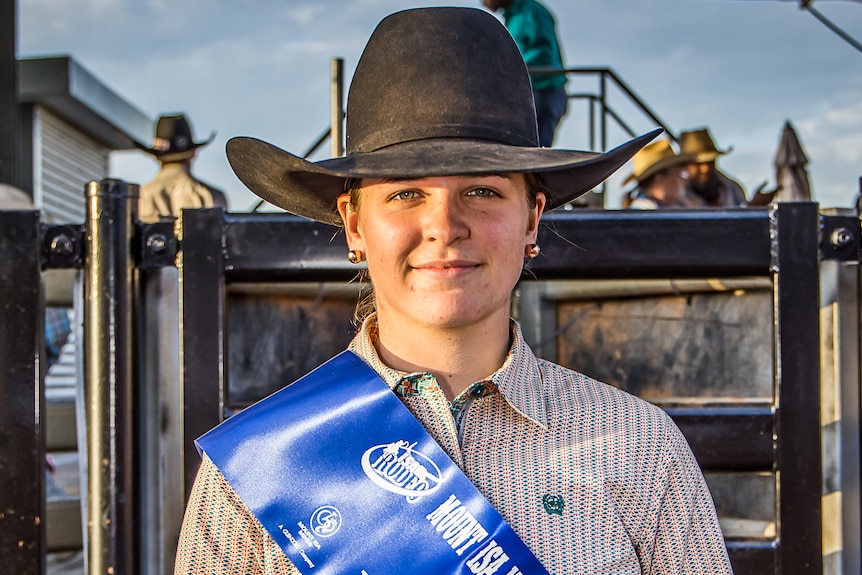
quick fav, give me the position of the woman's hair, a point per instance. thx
(367, 304)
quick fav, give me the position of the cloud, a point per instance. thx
(833, 143)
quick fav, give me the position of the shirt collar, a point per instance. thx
(176, 167)
(519, 379)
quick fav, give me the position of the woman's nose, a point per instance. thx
(446, 221)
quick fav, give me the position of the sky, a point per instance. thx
(261, 68)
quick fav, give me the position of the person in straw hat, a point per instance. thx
(706, 183)
(440, 194)
(174, 187)
(659, 173)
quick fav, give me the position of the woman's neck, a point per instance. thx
(457, 357)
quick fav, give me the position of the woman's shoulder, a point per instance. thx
(571, 394)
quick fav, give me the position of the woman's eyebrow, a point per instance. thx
(506, 176)
(501, 176)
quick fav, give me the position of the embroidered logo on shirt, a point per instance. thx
(553, 504)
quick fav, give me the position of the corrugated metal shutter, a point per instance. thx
(65, 160)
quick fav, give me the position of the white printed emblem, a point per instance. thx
(398, 468)
(325, 521)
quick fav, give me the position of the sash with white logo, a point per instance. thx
(347, 481)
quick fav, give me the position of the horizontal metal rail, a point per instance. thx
(729, 437)
(594, 244)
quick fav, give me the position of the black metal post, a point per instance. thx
(795, 231)
(603, 97)
(9, 123)
(337, 104)
(202, 329)
(108, 376)
(22, 454)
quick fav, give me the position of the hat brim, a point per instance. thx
(707, 156)
(169, 156)
(310, 189)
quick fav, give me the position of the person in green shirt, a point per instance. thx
(533, 28)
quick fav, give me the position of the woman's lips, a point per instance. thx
(447, 268)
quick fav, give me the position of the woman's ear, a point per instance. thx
(535, 214)
(351, 222)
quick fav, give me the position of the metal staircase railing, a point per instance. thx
(600, 106)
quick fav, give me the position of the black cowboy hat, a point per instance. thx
(174, 141)
(437, 91)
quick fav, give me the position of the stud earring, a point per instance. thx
(355, 256)
(532, 250)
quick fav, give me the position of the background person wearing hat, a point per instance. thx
(706, 182)
(441, 194)
(659, 173)
(174, 187)
(533, 28)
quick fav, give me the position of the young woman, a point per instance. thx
(441, 193)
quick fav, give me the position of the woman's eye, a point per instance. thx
(482, 192)
(405, 195)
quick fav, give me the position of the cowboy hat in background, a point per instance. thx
(698, 147)
(653, 158)
(437, 91)
(705, 181)
(174, 141)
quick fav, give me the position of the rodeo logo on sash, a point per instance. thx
(394, 468)
(345, 480)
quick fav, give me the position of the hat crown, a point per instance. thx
(650, 155)
(176, 131)
(652, 159)
(173, 139)
(440, 73)
(697, 142)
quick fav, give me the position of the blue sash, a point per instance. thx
(347, 481)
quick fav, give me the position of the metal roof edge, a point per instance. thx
(66, 88)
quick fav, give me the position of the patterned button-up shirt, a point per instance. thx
(594, 480)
